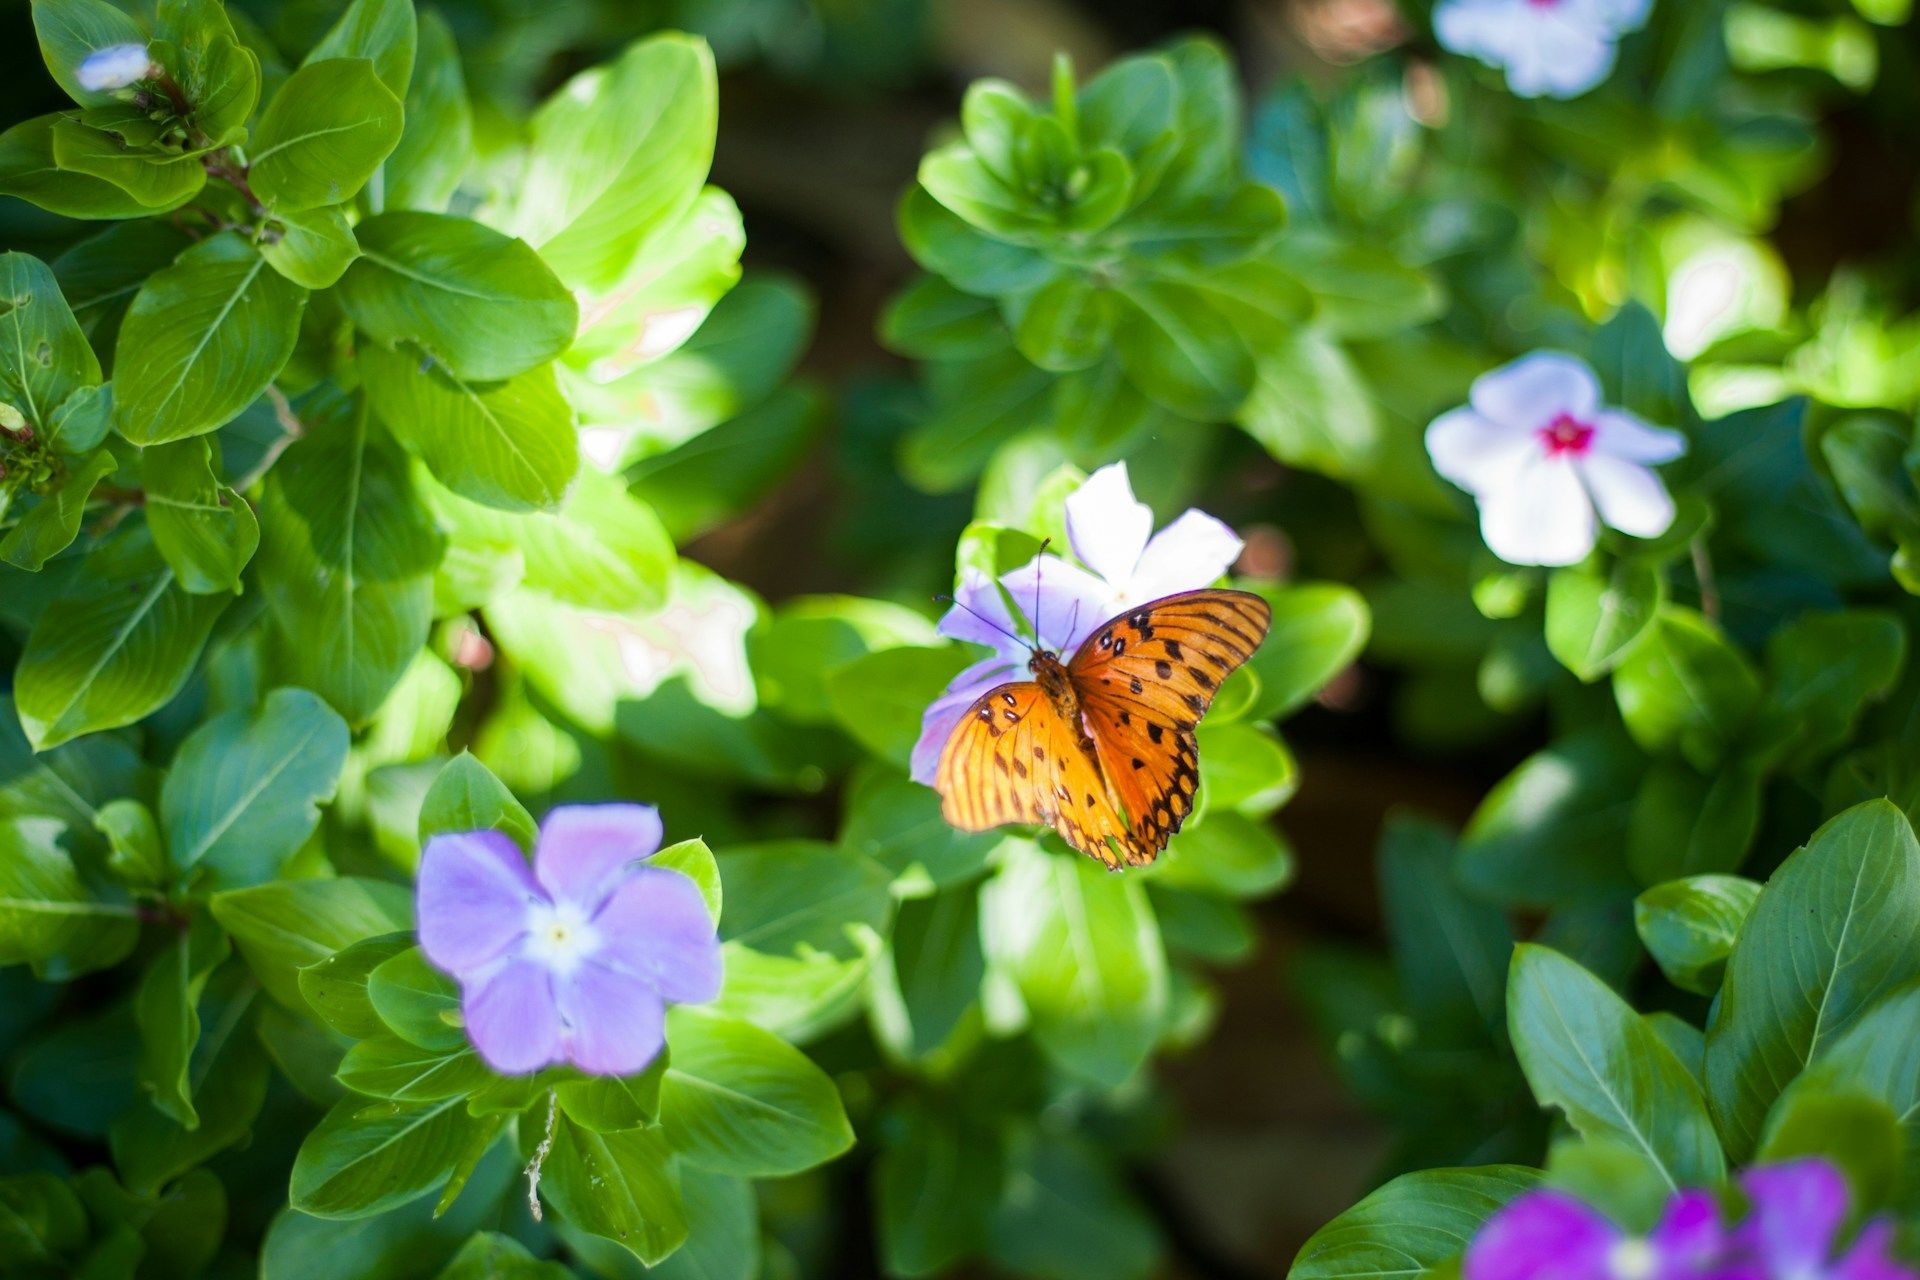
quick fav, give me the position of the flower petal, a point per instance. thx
(1630, 497)
(1544, 517)
(1192, 552)
(471, 900)
(581, 846)
(979, 616)
(1559, 56)
(1107, 525)
(614, 1023)
(1542, 1235)
(1530, 392)
(1871, 1257)
(657, 928)
(1475, 28)
(1476, 453)
(936, 724)
(1069, 603)
(1797, 1208)
(512, 1018)
(1622, 435)
(1689, 1238)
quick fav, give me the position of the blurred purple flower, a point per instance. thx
(1789, 1234)
(575, 958)
(1548, 48)
(1550, 1235)
(1548, 463)
(114, 67)
(1112, 534)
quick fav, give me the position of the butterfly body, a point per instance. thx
(1102, 747)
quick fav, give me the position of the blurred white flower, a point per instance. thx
(1548, 48)
(114, 67)
(1548, 464)
(1112, 534)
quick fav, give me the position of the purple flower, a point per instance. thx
(1548, 463)
(1797, 1209)
(1550, 1235)
(575, 958)
(1057, 604)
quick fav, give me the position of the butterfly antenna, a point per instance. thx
(1039, 564)
(976, 613)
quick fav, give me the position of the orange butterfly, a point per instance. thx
(1102, 747)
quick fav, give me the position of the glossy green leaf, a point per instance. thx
(465, 796)
(69, 30)
(1689, 926)
(482, 304)
(167, 1010)
(335, 987)
(311, 247)
(379, 30)
(425, 169)
(324, 134)
(366, 1158)
(417, 1002)
(622, 1186)
(1412, 1225)
(206, 532)
(282, 927)
(51, 524)
(202, 340)
(44, 357)
(1685, 688)
(739, 1100)
(1594, 619)
(48, 915)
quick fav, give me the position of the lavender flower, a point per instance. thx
(1548, 463)
(1548, 48)
(1112, 533)
(114, 67)
(576, 958)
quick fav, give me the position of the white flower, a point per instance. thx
(114, 67)
(1548, 48)
(1112, 534)
(1548, 463)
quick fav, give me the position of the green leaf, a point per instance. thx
(113, 647)
(1227, 854)
(44, 357)
(282, 927)
(346, 563)
(1414, 1224)
(490, 1256)
(1855, 1131)
(417, 1002)
(69, 30)
(167, 1009)
(47, 914)
(1689, 926)
(335, 988)
(618, 151)
(930, 319)
(202, 340)
(1180, 350)
(324, 134)
(692, 859)
(313, 247)
(937, 1179)
(1594, 619)
(740, 1100)
(424, 170)
(51, 525)
(1877, 1057)
(622, 1186)
(931, 974)
(1552, 832)
(607, 1104)
(1083, 949)
(1684, 824)
(1067, 325)
(228, 1075)
(1067, 1211)
(379, 30)
(204, 530)
(1318, 630)
(465, 796)
(1586, 1052)
(1245, 767)
(880, 698)
(28, 170)
(1835, 929)
(136, 857)
(482, 304)
(366, 1158)
(1685, 688)
(795, 896)
(245, 790)
(1823, 670)
(509, 445)
(896, 822)
(1359, 291)
(1450, 951)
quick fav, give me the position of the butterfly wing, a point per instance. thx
(1144, 680)
(1012, 759)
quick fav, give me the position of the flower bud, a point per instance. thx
(114, 67)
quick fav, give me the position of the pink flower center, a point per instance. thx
(1566, 434)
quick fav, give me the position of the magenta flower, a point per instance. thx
(575, 958)
(1057, 604)
(1550, 1235)
(1790, 1232)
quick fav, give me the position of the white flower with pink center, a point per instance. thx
(1549, 464)
(1548, 48)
